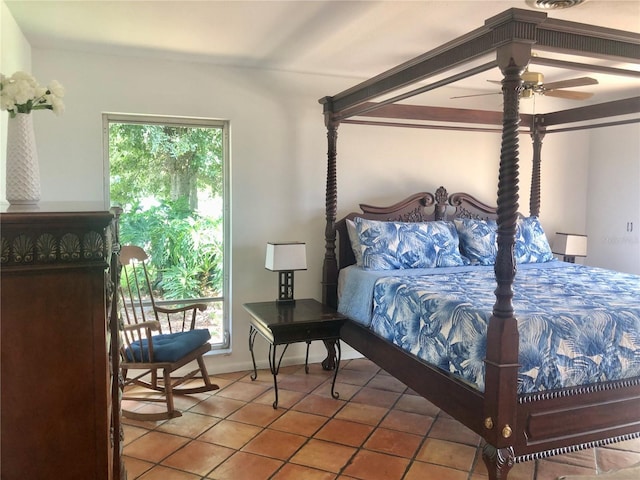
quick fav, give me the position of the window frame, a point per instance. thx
(224, 125)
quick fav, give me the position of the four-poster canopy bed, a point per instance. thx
(518, 422)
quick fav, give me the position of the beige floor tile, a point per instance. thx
(154, 446)
(231, 376)
(344, 432)
(188, 425)
(299, 472)
(345, 391)
(220, 381)
(245, 392)
(300, 383)
(582, 458)
(319, 405)
(632, 445)
(198, 457)
(355, 377)
(446, 428)
(407, 422)
(243, 465)
(374, 396)
(218, 406)
(275, 444)
(611, 459)
(256, 414)
(523, 471)
(422, 471)
(386, 382)
(448, 454)
(475, 476)
(164, 473)
(263, 377)
(376, 466)
(230, 434)
(145, 407)
(323, 455)
(362, 364)
(131, 433)
(286, 398)
(393, 442)
(299, 422)
(136, 467)
(185, 402)
(548, 470)
(416, 404)
(357, 412)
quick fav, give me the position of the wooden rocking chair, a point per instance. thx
(147, 351)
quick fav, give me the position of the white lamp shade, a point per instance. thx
(570, 245)
(286, 256)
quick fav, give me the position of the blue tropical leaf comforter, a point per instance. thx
(578, 325)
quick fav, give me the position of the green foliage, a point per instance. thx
(185, 249)
(164, 161)
(156, 173)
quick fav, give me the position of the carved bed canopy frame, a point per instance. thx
(511, 35)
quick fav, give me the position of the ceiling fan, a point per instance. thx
(533, 83)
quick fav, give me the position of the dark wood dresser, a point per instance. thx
(60, 408)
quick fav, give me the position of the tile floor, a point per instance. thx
(377, 430)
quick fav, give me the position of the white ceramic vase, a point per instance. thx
(23, 171)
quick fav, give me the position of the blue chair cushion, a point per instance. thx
(169, 347)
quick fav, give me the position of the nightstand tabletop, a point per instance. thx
(303, 311)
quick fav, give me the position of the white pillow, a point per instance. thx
(355, 241)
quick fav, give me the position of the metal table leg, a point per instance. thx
(252, 337)
(275, 368)
(306, 358)
(335, 394)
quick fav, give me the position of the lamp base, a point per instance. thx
(285, 287)
(569, 259)
(280, 301)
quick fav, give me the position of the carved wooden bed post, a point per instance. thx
(537, 134)
(501, 364)
(330, 265)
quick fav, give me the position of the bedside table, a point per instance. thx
(305, 320)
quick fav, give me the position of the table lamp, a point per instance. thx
(570, 246)
(285, 258)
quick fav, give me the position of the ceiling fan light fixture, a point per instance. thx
(532, 78)
(553, 4)
(526, 93)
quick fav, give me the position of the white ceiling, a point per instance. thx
(347, 38)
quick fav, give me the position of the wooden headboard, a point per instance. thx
(419, 207)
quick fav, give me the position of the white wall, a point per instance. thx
(15, 54)
(278, 155)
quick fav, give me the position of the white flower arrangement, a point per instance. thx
(21, 93)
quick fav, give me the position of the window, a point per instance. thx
(171, 178)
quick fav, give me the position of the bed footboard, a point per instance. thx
(572, 419)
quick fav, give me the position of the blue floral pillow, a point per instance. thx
(399, 245)
(532, 245)
(478, 240)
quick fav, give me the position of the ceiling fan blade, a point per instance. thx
(568, 94)
(476, 95)
(574, 82)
